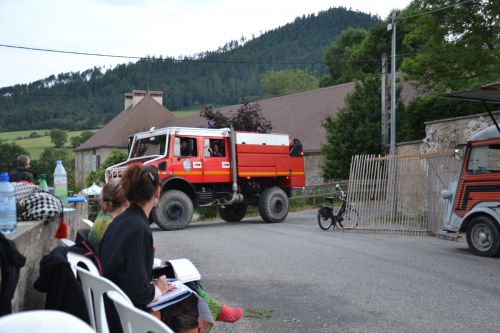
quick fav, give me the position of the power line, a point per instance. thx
(374, 60)
(436, 9)
(29, 48)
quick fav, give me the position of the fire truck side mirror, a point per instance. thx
(457, 154)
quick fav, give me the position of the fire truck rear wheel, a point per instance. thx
(174, 210)
(273, 205)
(483, 236)
(233, 213)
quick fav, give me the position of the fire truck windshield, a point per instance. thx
(151, 146)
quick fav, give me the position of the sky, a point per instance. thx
(139, 28)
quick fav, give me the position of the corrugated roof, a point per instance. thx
(146, 114)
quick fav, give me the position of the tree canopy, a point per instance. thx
(9, 153)
(355, 129)
(457, 48)
(248, 117)
(58, 137)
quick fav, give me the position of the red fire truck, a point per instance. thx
(202, 167)
(474, 196)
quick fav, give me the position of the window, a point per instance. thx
(214, 148)
(185, 147)
(484, 159)
(154, 145)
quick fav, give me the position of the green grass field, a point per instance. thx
(35, 146)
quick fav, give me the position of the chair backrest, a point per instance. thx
(77, 260)
(43, 321)
(88, 222)
(134, 320)
(65, 242)
(94, 287)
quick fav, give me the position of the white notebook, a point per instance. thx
(184, 270)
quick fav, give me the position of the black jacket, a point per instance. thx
(11, 262)
(126, 254)
(64, 291)
(21, 174)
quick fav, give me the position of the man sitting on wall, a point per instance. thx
(22, 172)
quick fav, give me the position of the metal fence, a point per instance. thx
(400, 194)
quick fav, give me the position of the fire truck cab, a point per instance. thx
(474, 196)
(202, 167)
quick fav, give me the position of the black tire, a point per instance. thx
(273, 205)
(483, 236)
(233, 213)
(174, 210)
(324, 223)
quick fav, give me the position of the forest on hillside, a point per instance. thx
(80, 100)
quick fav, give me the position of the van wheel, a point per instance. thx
(273, 205)
(233, 213)
(174, 210)
(483, 236)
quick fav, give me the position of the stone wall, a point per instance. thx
(34, 239)
(446, 134)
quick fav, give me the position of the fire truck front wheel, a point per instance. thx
(233, 213)
(174, 210)
(483, 236)
(273, 205)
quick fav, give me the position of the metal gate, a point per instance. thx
(400, 194)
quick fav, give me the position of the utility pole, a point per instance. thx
(393, 169)
(393, 85)
(383, 99)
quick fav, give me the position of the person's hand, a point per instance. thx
(163, 285)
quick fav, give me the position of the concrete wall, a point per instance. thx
(85, 163)
(34, 239)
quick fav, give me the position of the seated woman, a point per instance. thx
(126, 253)
(113, 202)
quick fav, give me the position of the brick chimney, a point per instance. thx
(128, 100)
(157, 96)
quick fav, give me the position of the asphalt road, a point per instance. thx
(295, 277)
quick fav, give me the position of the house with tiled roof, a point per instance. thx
(142, 110)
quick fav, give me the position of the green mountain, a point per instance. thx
(83, 99)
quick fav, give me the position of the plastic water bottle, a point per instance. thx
(8, 218)
(43, 182)
(61, 182)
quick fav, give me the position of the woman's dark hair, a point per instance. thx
(139, 183)
(112, 196)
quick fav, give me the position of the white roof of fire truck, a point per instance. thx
(222, 132)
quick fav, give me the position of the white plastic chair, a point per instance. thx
(65, 242)
(94, 287)
(88, 222)
(76, 260)
(134, 320)
(43, 321)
